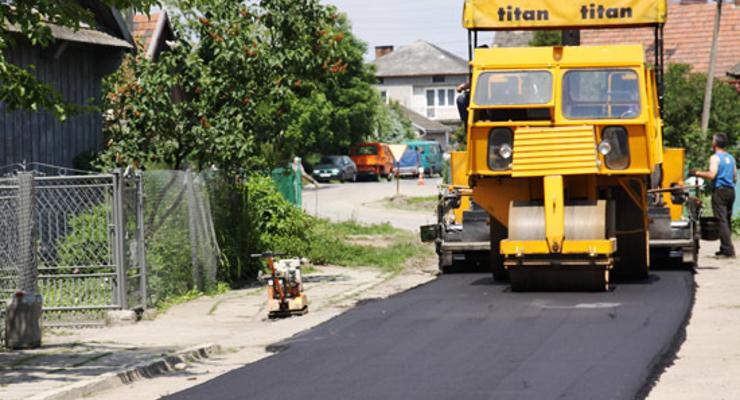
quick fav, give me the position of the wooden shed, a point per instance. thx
(75, 66)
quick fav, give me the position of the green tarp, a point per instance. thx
(289, 184)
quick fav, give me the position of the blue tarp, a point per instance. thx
(410, 158)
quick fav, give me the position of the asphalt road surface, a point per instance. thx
(465, 337)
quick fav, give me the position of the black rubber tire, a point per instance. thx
(498, 233)
(633, 252)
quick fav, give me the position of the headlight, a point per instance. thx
(505, 151)
(617, 140)
(500, 149)
(335, 171)
(604, 147)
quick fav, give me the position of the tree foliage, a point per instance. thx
(682, 108)
(392, 125)
(19, 88)
(246, 86)
(546, 38)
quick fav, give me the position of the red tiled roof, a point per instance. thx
(144, 27)
(688, 36)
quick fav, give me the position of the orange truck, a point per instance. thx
(373, 159)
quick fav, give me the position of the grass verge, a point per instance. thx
(191, 295)
(332, 245)
(418, 203)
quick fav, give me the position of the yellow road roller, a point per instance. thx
(565, 149)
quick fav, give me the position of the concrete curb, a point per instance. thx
(129, 374)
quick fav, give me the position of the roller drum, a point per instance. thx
(584, 220)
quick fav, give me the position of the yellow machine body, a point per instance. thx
(459, 178)
(554, 107)
(673, 173)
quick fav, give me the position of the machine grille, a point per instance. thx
(567, 150)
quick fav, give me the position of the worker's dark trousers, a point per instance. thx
(722, 201)
(463, 102)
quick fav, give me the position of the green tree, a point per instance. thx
(684, 94)
(253, 84)
(29, 20)
(392, 125)
(546, 38)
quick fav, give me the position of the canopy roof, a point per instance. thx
(560, 14)
(569, 57)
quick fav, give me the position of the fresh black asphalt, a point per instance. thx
(466, 337)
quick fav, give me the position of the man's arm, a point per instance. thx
(713, 168)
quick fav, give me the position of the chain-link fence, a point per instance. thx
(105, 241)
(181, 246)
(77, 247)
(9, 273)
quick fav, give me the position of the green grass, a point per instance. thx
(191, 295)
(352, 227)
(333, 246)
(76, 291)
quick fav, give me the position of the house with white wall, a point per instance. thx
(422, 78)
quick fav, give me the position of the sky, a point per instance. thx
(399, 22)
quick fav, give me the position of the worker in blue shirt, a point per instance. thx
(723, 174)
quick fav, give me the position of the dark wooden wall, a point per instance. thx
(38, 136)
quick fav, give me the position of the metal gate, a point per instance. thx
(89, 248)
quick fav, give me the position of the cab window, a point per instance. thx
(513, 88)
(601, 94)
(366, 151)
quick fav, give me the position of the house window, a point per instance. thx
(439, 98)
(438, 79)
(430, 104)
(430, 98)
(384, 96)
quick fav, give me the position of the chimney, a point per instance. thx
(380, 51)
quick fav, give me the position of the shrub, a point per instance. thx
(87, 241)
(281, 227)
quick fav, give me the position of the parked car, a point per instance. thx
(340, 168)
(431, 155)
(409, 163)
(373, 159)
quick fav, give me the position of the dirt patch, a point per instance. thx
(420, 203)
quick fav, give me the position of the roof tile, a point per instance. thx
(144, 27)
(688, 36)
(420, 59)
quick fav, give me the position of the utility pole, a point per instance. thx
(710, 74)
